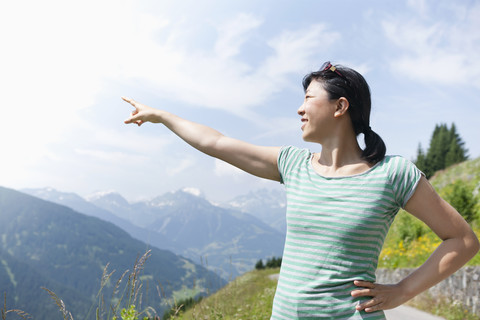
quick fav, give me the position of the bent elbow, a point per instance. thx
(472, 243)
(476, 246)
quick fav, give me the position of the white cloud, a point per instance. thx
(234, 34)
(438, 51)
(295, 49)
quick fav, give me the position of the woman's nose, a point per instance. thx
(301, 110)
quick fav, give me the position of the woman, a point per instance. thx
(341, 202)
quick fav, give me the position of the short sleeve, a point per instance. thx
(289, 157)
(405, 178)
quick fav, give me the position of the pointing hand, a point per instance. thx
(141, 114)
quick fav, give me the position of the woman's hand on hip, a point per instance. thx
(383, 296)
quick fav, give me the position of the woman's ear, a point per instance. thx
(342, 107)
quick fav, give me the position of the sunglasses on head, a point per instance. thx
(328, 66)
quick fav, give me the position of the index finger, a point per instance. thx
(129, 100)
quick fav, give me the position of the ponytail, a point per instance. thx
(375, 148)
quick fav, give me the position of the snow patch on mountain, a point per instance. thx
(193, 191)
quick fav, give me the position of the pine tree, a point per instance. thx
(420, 162)
(259, 265)
(446, 148)
(457, 152)
(439, 145)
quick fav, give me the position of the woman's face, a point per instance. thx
(317, 113)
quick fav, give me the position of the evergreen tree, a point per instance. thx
(457, 152)
(420, 162)
(446, 148)
(274, 262)
(439, 145)
(259, 265)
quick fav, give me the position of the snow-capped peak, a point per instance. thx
(100, 194)
(193, 191)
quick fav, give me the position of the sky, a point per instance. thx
(236, 66)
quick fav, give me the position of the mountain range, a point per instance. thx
(268, 205)
(43, 244)
(227, 238)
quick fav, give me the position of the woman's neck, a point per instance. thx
(340, 156)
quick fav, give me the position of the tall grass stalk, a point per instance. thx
(4, 311)
(101, 302)
(67, 315)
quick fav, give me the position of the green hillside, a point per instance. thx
(468, 171)
(249, 296)
(22, 286)
(43, 244)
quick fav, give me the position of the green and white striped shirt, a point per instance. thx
(335, 231)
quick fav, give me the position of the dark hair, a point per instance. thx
(341, 81)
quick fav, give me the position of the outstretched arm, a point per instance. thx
(459, 245)
(257, 160)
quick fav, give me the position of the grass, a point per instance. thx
(467, 171)
(249, 296)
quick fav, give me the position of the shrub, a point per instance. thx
(460, 194)
(408, 228)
